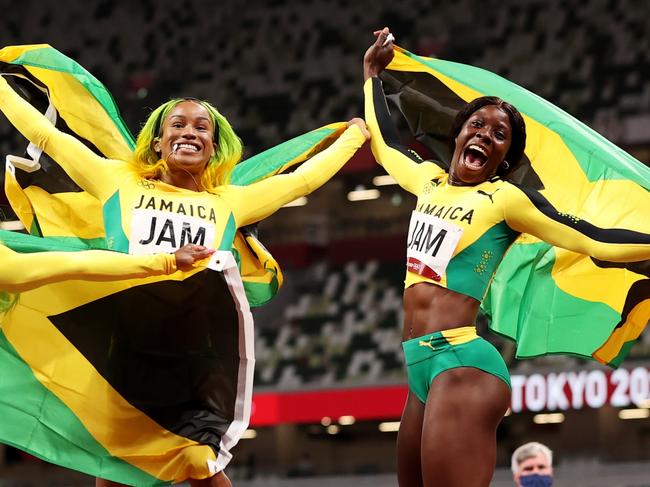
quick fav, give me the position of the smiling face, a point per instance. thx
(481, 146)
(187, 139)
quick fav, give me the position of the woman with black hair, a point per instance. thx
(464, 222)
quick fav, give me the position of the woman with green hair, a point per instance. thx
(174, 191)
(147, 159)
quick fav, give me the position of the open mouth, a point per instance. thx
(475, 156)
(186, 147)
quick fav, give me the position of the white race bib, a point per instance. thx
(156, 232)
(430, 245)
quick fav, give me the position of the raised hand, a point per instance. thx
(359, 122)
(379, 55)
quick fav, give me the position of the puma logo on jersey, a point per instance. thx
(489, 195)
(422, 343)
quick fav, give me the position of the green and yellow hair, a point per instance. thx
(229, 146)
(7, 300)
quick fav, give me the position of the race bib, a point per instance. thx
(155, 232)
(430, 245)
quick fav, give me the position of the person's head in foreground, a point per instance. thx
(532, 465)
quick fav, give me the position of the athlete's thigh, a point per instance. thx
(464, 408)
(409, 440)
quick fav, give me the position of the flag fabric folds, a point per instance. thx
(144, 381)
(547, 299)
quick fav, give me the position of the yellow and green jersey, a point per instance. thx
(459, 234)
(157, 217)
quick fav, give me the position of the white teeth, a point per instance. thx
(478, 149)
(174, 147)
(185, 146)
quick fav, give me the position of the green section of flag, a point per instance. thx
(272, 160)
(35, 229)
(259, 293)
(528, 294)
(28, 244)
(35, 420)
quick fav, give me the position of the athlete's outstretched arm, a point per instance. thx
(399, 161)
(86, 168)
(528, 211)
(257, 201)
(22, 272)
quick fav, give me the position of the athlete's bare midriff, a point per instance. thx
(429, 308)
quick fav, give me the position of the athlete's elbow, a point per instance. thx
(307, 185)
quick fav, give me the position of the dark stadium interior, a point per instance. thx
(279, 68)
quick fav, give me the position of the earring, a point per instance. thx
(506, 165)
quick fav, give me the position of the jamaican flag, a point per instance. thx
(50, 203)
(143, 381)
(547, 299)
